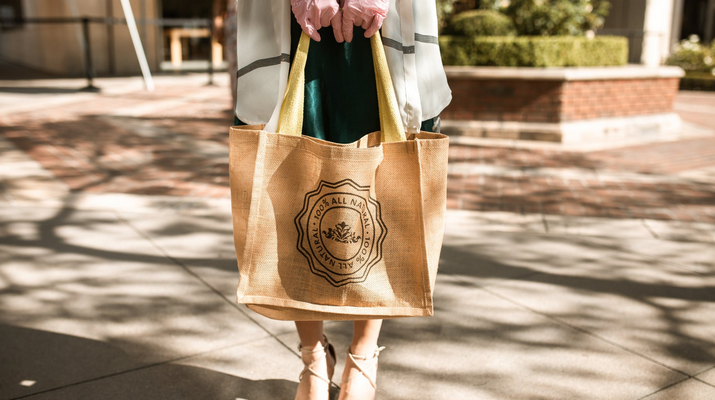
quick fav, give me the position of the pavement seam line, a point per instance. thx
(652, 232)
(131, 370)
(544, 221)
(697, 376)
(702, 381)
(199, 278)
(572, 326)
(705, 370)
(664, 388)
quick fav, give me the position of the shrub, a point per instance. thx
(552, 17)
(559, 51)
(695, 80)
(481, 23)
(445, 11)
(691, 55)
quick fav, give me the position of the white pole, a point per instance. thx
(132, 24)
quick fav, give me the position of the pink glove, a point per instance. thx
(366, 13)
(315, 14)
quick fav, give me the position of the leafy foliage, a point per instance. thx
(445, 12)
(558, 51)
(693, 56)
(552, 17)
(481, 23)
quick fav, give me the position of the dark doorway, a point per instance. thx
(193, 47)
(694, 18)
(186, 9)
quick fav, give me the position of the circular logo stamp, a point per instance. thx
(340, 231)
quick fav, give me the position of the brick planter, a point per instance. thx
(562, 104)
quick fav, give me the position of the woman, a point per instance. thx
(340, 106)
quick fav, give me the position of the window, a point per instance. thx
(10, 10)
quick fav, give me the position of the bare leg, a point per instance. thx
(310, 332)
(365, 334)
(311, 338)
(354, 386)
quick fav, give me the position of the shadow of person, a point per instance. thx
(48, 365)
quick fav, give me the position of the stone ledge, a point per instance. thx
(645, 127)
(564, 74)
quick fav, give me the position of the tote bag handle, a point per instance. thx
(290, 121)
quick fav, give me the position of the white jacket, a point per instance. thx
(409, 34)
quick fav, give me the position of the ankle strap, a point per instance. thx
(364, 369)
(318, 349)
(325, 349)
(375, 354)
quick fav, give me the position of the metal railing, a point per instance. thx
(86, 39)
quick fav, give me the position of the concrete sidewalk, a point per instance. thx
(173, 142)
(119, 296)
(118, 273)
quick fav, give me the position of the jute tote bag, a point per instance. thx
(327, 231)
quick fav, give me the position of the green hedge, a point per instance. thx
(480, 23)
(694, 80)
(534, 51)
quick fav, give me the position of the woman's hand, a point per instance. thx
(368, 14)
(315, 14)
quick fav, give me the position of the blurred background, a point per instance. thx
(653, 29)
(579, 254)
(49, 36)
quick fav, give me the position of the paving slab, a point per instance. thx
(651, 306)
(51, 238)
(695, 256)
(665, 316)
(487, 258)
(478, 346)
(36, 266)
(679, 231)
(590, 226)
(708, 376)
(457, 221)
(34, 360)
(153, 315)
(688, 390)
(205, 245)
(24, 179)
(44, 246)
(155, 205)
(88, 276)
(258, 370)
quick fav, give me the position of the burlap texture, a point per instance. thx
(272, 178)
(327, 231)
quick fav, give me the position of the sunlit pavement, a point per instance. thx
(117, 268)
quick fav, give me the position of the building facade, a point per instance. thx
(58, 47)
(49, 41)
(653, 27)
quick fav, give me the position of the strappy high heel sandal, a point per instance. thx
(326, 351)
(351, 389)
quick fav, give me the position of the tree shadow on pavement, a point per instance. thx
(57, 366)
(560, 302)
(514, 312)
(156, 156)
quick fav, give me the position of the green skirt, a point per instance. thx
(340, 89)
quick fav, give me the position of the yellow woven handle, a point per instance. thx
(290, 121)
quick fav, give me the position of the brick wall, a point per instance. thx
(552, 101)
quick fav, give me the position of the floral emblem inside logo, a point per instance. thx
(340, 232)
